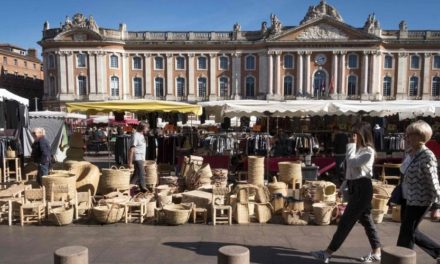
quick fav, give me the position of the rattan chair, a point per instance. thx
(60, 197)
(83, 202)
(221, 213)
(33, 208)
(390, 171)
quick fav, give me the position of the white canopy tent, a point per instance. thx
(5, 94)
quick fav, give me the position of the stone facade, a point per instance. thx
(321, 58)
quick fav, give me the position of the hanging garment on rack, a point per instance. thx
(122, 147)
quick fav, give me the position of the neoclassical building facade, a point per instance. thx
(321, 58)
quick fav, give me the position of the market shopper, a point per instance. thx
(360, 156)
(136, 155)
(420, 188)
(41, 154)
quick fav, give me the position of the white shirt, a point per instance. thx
(139, 144)
(359, 162)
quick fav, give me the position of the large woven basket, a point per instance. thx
(10, 153)
(383, 189)
(177, 214)
(380, 202)
(59, 178)
(87, 176)
(108, 213)
(290, 172)
(114, 179)
(377, 215)
(263, 212)
(277, 187)
(204, 174)
(323, 213)
(150, 172)
(61, 216)
(256, 170)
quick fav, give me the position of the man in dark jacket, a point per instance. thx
(41, 154)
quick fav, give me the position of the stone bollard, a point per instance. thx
(398, 255)
(233, 255)
(71, 255)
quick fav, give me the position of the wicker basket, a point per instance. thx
(383, 189)
(256, 170)
(177, 214)
(277, 187)
(150, 167)
(61, 216)
(59, 178)
(323, 213)
(220, 177)
(377, 215)
(108, 213)
(262, 195)
(87, 176)
(204, 174)
(290, 173)
(241, 213)
(380, 202)
(263, 212)
(114, 179)
(10, 153)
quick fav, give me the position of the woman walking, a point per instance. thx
(359, 169)
(420, 188)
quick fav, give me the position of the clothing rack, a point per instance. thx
(394, 142)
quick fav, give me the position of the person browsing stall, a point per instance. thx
(41, 154)
(136, 155)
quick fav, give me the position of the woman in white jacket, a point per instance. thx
(359, 169)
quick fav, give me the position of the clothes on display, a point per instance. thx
(378, 133)
(220, 143)
(394, 142)
(122, 146)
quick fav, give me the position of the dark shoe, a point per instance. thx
(143, 189)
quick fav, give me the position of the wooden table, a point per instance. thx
(15, 190)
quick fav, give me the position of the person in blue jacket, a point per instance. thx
(41, 154)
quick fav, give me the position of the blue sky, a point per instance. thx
(22, 20)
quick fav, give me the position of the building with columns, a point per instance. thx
(321, 58)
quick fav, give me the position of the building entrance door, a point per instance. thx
(319, 84)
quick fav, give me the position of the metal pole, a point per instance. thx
(36, 103)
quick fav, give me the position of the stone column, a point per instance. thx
(342, 89)
(262, 74)
(212, 77)
(70, 70)
(192, 93)
(278, 93)
(62, 75)
(126, 87)
(236, 73)
(169, 79)
(147, 76)
(92, 75)
(402, 76)
(46, 93)
(308, 74)
(103, 89)
(300, 74)
(334, 77)
(377, 75)
(426, 94)
(364, 81)
(270, 79)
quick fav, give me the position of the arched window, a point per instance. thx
(137, 85)
(414, 86)
(223, 63)
(436, 62)
(180, 63)
(288, 85)
(114, 61)
(137, 63)
(202, 63)
(388, 62)
(352, 85)
(158, 83)
(52, 87)
(202, 87)
(82, 85)
(387, 86)
(51, 61)
(250, 62)
(224, 87)
(80, 60)
(288, 61)
(352, 61)
(158, 63)
(436, 86)
(415, 62)
(180, 83)
(250, 86)
(114, 86)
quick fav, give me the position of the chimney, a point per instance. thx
(32, 53)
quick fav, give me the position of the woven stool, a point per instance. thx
(137, 209)
(398, 255)
(233, 255)
(72, 254)
(199, 211)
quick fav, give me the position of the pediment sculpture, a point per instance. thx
(80, 21)
(321, 32)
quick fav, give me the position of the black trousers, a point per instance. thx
(358, 208)
(409, 234)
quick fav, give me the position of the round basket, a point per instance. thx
(377, 215)
(177, 214)
(290, 173)
(380, 202)
(114, 178)
(61, 216)
(277, 187)
(87, 176)
(256, 170)
(383, 189)
(108, 214)
(323, 213)
(10, 153)
(59, 178)
(150, 172)
(164, 199)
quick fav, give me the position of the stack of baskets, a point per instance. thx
(150, 172)
(76, 147)
(256, 170)
(57, 178)
(278, 190)
(114, 179)
(382, 193)
(290, 173)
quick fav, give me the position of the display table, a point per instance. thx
(215, 162)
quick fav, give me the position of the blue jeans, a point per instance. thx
(139, 174)
(43, 169)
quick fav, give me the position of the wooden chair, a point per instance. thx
(221, 213)
(390, 171)
(83, 202)
(33, 208)
(60, 197)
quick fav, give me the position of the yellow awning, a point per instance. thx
(134, 106)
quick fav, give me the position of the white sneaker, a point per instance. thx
(370, 258)
(321, 255)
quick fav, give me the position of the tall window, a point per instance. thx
(288, 61)
(414, 86)
(114, 86)
(82, 85)
(250, 86)
(250, 62)
(5, 60)
(352, 85)
(387, 86)
(15, 62)
(52, 87)
(388, 62)
(415, 62)
(180, 63)
(224, 62)
(114, 61)
(436, 86)
(158, 83)
(352, 61)
(201, 63)
(158, 63)
(180, 87)
(81, 60)
(288, 85)
(137, 85)
(202, 87)
(224, 87)
(436, 62)
(25, 64)
(51, 61)
(137, 63)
